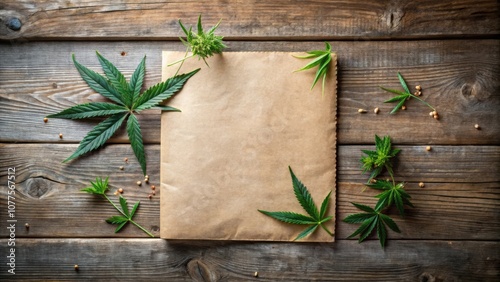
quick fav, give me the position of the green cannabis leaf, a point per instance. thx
(402, 96)
(99, 187)
(202, 44)
(314, 218)
(372, 220)
(322, 59)
(391, 194)
(376, 161)
(129, 102)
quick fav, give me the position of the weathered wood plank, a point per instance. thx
(278, 19)
(459, 77)
(461, 197)
(159, 260)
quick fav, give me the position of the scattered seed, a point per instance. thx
(139, 183)
(361, 111)
(146, 176)
(123, 53)
(421, 185)
(431, 114)
(146, 180)
(476, 126)
(150, 196)
(116, 193)
(418, 87)
(436, 116)
(121, 167)
(428, 148)
(154, 192)
(60, 135)
(45, 120)
(76, 267)
(125, 159)
(376, 110)
(120, 190)
(153, 187)
(403, 108)
(27, 225)
(373, 180)
(256, 274)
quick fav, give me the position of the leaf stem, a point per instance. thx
(326, 229)
(129, 219)
(428, 105)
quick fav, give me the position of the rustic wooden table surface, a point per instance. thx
(450, 47)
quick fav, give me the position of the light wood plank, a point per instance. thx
(459, 78)
(82, 19)
(159, 260)
(461, 199)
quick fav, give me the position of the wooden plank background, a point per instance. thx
(451, 48)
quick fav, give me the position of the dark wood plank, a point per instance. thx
(161, 260)
(459, 78)
(461, 199)
(250, 19)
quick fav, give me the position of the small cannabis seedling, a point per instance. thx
(99, 187)
(322, 59)
(201, 44)
(376, 161)
(128, 102)
(392, 194)
(314, 218)
(405, 95)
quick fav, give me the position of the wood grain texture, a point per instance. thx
(83, 19)
(461, 199)
(161, 260)
(459, 78)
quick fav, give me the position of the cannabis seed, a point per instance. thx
(154, 192)
(116, 193)
(76, 267)
(419, 93)
(436, 116)
(139, 183)
(476, 126)
(125, 159)
(256, 274)
(361, 111)
(373, 180)
(421, 185)
(120, 190)
(431, 114)
(27, 226)
(403, 108)
(418, 87)
(150, 196)
(376, 110)
(60, 136)
(153, 187)
(428, 148)
(146, 180)
(45, 120)
(121, 167)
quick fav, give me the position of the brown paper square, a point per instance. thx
(244, 120)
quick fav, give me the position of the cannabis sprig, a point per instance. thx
(314, 218)
(392, 194)
(100, 187)
(129, 102)
(403, 96)
(322, 59)
(371, 220)
(201, 44)
(376, 161)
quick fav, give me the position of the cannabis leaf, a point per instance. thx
(376, 161)
(372, 220)
(129, 102)
(402, 96)
(322, 59)
(99, 187)
(202, 44)
(392, 194)
(314, 218)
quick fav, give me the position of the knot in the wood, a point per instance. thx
(14, 24)
(37, 187)
(426, 277)
(199, 271)
(474, 91)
